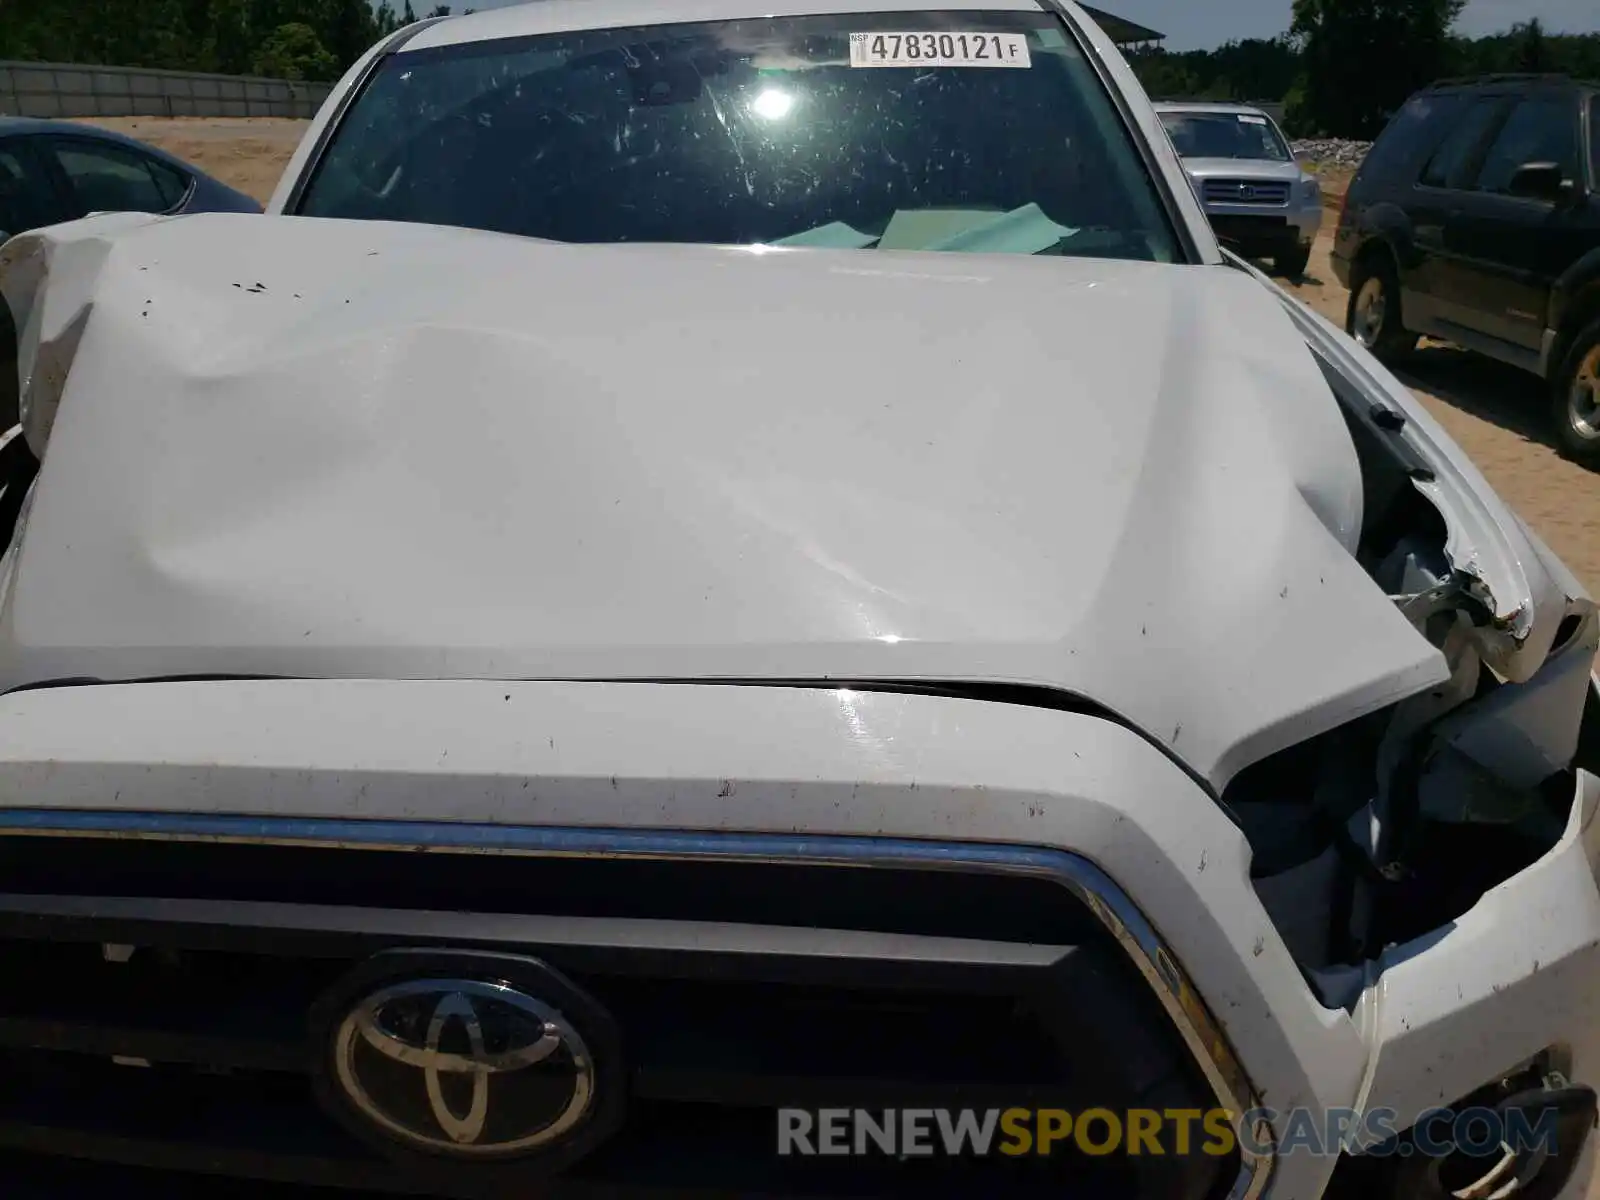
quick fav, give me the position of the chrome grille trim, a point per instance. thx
(1267, 193)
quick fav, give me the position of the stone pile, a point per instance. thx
(1331, 152)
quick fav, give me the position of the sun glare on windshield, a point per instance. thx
(772, 104)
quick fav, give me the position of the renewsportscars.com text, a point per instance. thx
(1017, 1132)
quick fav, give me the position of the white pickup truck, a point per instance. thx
(713, 590)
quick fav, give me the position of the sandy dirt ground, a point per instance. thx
(1496, 414)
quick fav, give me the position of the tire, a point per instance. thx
(1292, 263)
(1575, 396)
(1373, 315)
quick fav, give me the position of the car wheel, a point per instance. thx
(1577, 399)
(1292, 263)
(1373, 317)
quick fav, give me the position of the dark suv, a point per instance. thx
(1476, 219)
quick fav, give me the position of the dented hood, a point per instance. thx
(288, 447)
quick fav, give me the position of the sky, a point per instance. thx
(1191, 25)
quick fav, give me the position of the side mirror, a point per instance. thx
(1540, 181)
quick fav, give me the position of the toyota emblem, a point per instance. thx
(487, 1066)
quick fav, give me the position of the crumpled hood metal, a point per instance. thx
(312, 448)
(1525, 590)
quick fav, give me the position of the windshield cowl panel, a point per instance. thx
(979, 132)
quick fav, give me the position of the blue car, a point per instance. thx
(54, 171)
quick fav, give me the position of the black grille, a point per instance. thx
(738, 987)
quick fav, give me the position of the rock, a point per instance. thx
(1331, 152)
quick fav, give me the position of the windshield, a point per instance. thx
(982, 131)
(1225, 135)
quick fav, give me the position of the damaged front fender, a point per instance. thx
(1391, 829)
(47, 285)
(1529, 603)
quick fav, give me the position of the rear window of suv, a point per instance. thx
(887, 131)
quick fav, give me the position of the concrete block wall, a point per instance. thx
(29, 89)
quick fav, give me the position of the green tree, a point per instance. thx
(218, 36)
(407, 14)
(1528, 47)
(1163, 75)
(1364, 57)
(1531, 52)
(386, 19)
(351, 28)
(267, 16)
(1297, 119)
(1257, 68)
(1254, 69)
(294, 51)
(235, 39)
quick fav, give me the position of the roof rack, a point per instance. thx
(1216, 101)
(1505, 77)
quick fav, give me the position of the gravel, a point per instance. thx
(1331, 152)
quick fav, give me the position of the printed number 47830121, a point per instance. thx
(939, 49)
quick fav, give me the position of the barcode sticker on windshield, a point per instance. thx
(939, 50)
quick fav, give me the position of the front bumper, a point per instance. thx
(943, 789)
(1256, 231)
